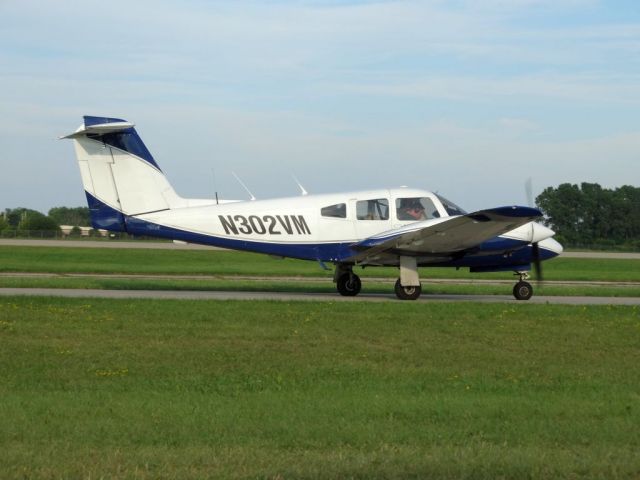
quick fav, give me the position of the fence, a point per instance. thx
(61, 235)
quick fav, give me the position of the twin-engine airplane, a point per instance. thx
(403, 227)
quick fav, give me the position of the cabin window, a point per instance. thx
(415, 209)
(339, 210)
(451, 208)
(377, 209)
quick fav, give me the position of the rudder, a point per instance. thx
(119, 174)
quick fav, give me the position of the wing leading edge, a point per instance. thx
(447, 236)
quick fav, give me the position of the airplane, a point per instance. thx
(403, 227)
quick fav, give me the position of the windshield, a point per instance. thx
(415, 209)
(450, 207)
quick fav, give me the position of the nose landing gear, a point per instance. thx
(523, 289)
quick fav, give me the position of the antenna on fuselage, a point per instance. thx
(302, 189)
(215, 186)
(243, 186)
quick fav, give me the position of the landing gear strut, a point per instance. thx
(522, 290)
(408, 285)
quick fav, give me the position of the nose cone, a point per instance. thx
(550, 248)
(540, 232)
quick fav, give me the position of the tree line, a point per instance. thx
(588, 215)
(584, 215)
(22, 221)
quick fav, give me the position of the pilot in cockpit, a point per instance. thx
(411, 209)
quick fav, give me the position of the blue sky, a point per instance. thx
(468, 98)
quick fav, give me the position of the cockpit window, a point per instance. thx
(339, 210)
(377, 209)
(451, 208)
(415, 209)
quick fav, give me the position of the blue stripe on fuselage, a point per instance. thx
(329, 252)
(103, 216)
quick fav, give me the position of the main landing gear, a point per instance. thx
(407, 293)
(348, 284)
(522, 290)
(407, 287)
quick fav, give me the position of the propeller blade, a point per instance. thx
(528, 189)
(535, 257)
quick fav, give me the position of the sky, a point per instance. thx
(466, 98)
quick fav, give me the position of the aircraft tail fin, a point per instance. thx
(119, 174)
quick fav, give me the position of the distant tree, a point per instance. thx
(591, 215)
(77, 216)
(562, 207)
(15, 215)
(33, 221)
(3, 223)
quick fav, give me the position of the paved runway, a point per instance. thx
(323, 297)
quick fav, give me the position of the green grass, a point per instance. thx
(96, 260)
(202, 389)
(99, 260)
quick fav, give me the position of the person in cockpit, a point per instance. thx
(411, 209)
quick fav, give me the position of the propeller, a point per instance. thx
(537, 264)
(528, 190)
(535, 248)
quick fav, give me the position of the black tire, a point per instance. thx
(349, 284)
(407, 293)
(522, 290)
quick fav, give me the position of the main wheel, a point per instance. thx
(349, 284)
(522, 290)
(407, 293)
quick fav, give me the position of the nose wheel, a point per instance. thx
(523, 289)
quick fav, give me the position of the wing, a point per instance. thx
(446, 236)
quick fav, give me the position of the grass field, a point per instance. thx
(170, 389)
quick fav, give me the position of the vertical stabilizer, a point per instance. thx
(119, 174)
